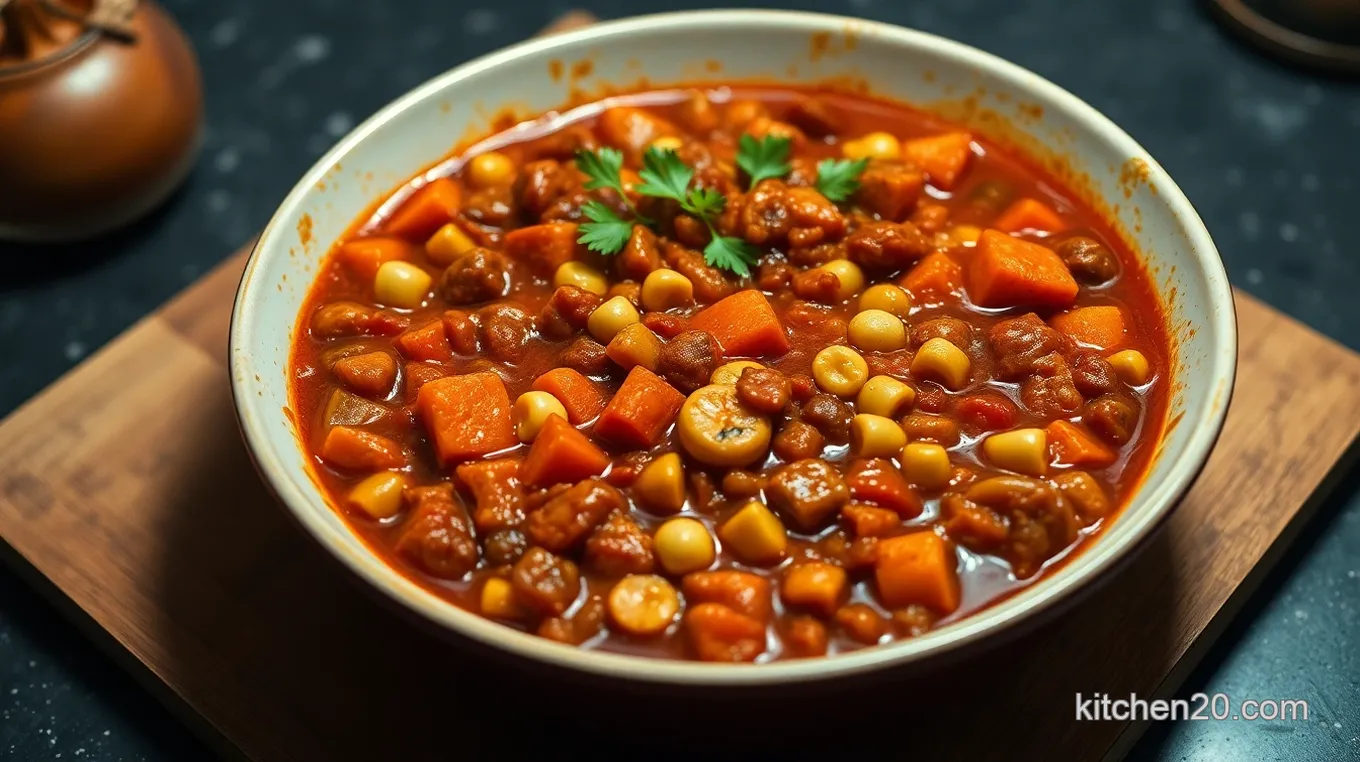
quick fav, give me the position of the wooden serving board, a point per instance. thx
(126, 492)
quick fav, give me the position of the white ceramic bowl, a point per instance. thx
(995, 98)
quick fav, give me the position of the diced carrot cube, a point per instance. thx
(428, 209)
(868, 521)
(544, 247)
(744, 324)
(583, 398)
(720, 634)
(878, 481)
(1072, 445)
(1029, 214)
(365, 255)
(1009, 272)
(743, 592)
(936, 279)
(467, 416)
(814, 585)
(943, 157)
(642, 410)
(917, 568)
(561, 454)
(349, 447)
(1100, 326)
(428, 342)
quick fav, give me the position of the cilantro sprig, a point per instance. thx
(665, 176)
(763, 158)
(838, 179)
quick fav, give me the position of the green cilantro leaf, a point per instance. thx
(602, 167)
(664, 175)
(731, 254)
(838, 179)
(764, 158)
(704, 203)
(606, 232)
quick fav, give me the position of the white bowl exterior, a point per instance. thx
(409, 134)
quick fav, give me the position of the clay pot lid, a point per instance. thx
(1319, 33)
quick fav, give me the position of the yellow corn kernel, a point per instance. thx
(755, 534)
(926, 465)
(840, 371)
(875, 145)
(873, 436)
(730, 373)
(1024, 451)
(664, 289)
(401, 284)
(378, 496)
(582, 276)
(643, 604)
(447, 244)
(939, 360)
(498, 600)
(667, 143)
(684, 545)
(885, 395)
(611, 317)
(877, 331)
(660, 485)
(965, 234)
(1131, 367)
(531, 412)
(848, 273)
(490, 169)
(886, 297)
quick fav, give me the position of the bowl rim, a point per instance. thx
(1027, 606)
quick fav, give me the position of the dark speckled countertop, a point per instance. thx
(1268, 155)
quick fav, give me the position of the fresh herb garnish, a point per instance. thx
(764, 158)
(606, 232)
(838, 179)
(663, 175)
(603, 169)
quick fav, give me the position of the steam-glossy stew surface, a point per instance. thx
(930, 389)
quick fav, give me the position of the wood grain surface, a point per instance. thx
(125, 489)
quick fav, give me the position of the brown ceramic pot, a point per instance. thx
(95, 131)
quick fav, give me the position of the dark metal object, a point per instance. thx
(1319, 33)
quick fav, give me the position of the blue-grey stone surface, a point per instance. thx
(1269, 156)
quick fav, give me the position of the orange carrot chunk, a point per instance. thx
(544, 247)
(361, 450)
(1072, 445)
(427, 210)
(1100, 326)
(582, 397)
(720, 634)
(936, 279)
(943, 157)
(466, 416)
(642, 410)
(1009, 272)
(428, 342)
(744, 324)
(1029, 214)
(365, 255)
(561, 454)
(917, 568)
